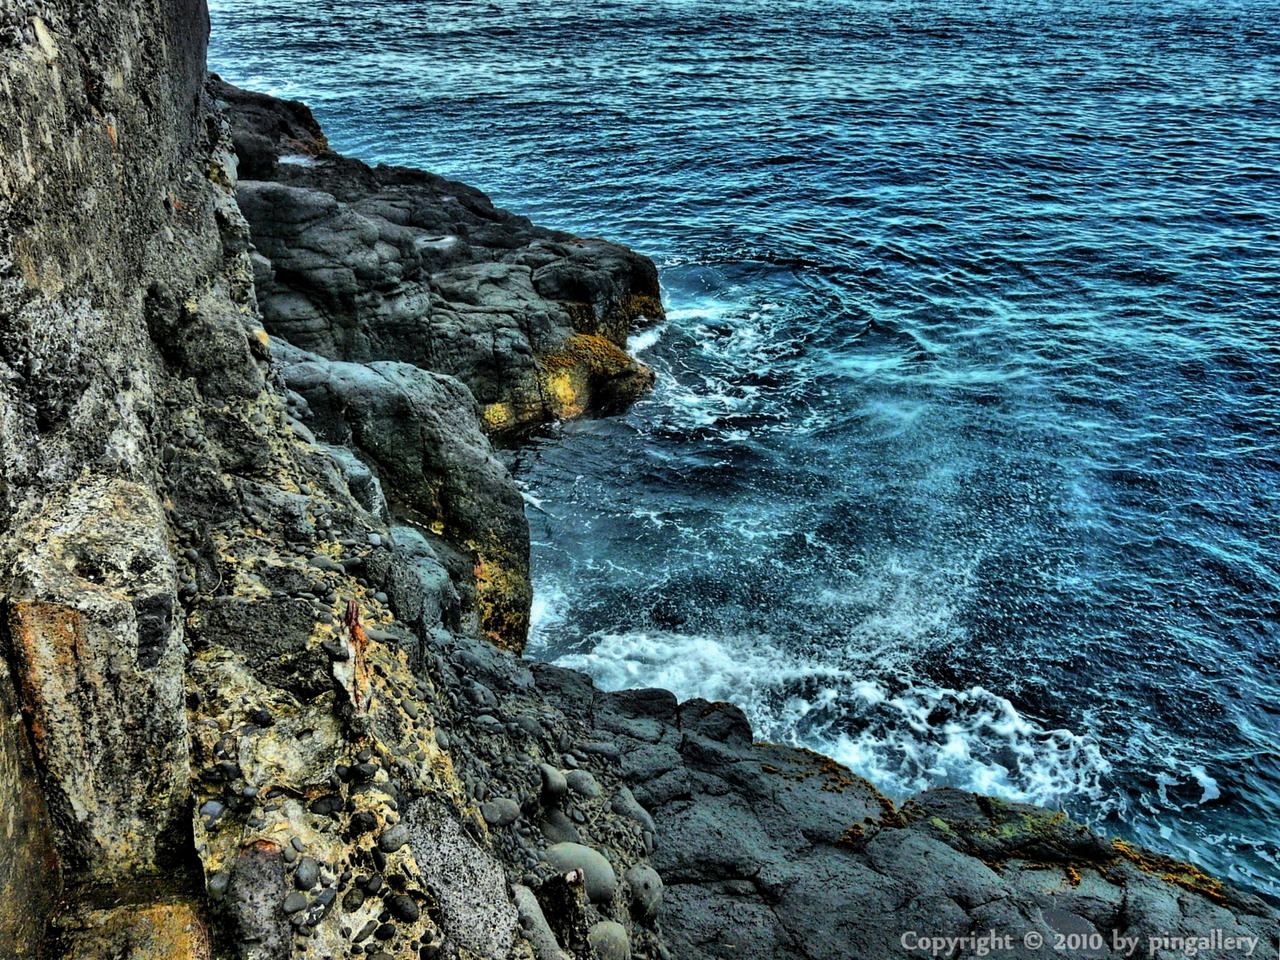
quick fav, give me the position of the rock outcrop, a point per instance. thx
(362, 264)
(258, 565)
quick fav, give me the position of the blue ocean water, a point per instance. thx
(964, 457)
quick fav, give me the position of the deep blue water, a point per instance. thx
(964, 457)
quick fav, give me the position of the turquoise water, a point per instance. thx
(964, 456)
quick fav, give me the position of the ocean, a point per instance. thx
(963, 460)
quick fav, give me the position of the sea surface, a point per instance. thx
(964, 457)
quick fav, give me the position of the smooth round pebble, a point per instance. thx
(608, 939)
(501, 812)
(646, 889)
(402, 907)
(393, 838)
(600, 878)
(583, 783)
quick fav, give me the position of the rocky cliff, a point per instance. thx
(264, 583)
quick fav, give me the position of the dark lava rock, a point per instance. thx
(403, 908)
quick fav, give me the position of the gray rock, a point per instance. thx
(307, 874)
(501, 812)
(598, 872)
(583, 783)
(609, 940)
(470, 885)
(646, 890)
(421, 432)
(384, 264)
(554, 784)
(534, 925)
(393, 838)
(625, 804)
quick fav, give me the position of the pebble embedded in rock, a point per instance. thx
(554, 784)
(307, 875)
(609, 940)
(393, 838)
(402, 907)
(294, 902)
(211, 810)
(324, 806)
(501, 812)
(646, 890)
(335, 650)
(600, 878)
(583, 783)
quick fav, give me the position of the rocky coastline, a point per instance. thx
(265, 586)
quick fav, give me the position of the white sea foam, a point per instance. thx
(550, 603)
(640, 342)
(903, 737)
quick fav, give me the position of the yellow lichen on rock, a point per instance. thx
(154, 931)
(589, 370)
(502, 602)
(1177, 872)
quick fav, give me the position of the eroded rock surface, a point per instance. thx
(255, 584)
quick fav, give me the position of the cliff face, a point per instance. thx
(106, 149)
(258, 563)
